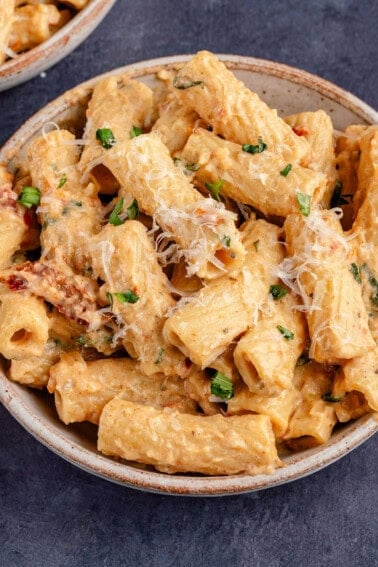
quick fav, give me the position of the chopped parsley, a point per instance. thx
(114, 218)
(133, 210)
(225, 241)
(374, 284)
(255, 149)
(29, 196)
(329, 397)
(221, 386)
(277, 291)
(135, 131)
(337, 199)
(106, 137)
(215, 188)
(127, 296)
(160, 356)
(183, 83)
(62, 180)
(356, 273)
(304, 202)
(187, 168)
(286, 170)
(256, 244)
(288, 335)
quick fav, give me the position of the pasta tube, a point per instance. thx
(12, 224)
(69, 211)
(284, 329)
(321, 263)
(233, 111)
(361, 375)
(219, 312)
(313, 420)
(24, 325)
(175, 442)
(119, 104)
(124, 258)
(317, 129)
(32, 25)
(82, 389)
(253, 179)
(277, 408)
(204, 231)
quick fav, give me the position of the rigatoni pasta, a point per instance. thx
(179, 276)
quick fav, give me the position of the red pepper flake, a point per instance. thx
(16, 284)
(300, 131)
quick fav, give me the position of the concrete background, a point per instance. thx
(52, 514)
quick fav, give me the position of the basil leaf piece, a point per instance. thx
(288, 335)
(62, 180)
(304, 202)
(106, 137)
(277, 291)
(29, 196)
(133, 210)
(221, 386)
(183, 83)
(356, 273)
(114, 218)
(127, 296)
(215, 188)
(255, 149)
(286, 170)
(135, 131)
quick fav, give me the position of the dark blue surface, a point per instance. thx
(52, 514)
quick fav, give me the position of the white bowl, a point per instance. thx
(287, 89)
(29, 64)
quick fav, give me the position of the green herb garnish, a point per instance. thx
(160, 356)
(256, 244)
(277, 291)
(62, 180)
(215, 188)
(106, 137)
(29, 196)
(255, 149)
(286, 170)
(288, 335)
(127, 296)
(304, 202)
(221, 386)
(183, 83)
(133, 210)
(225, 241)
(192, 166)
(356, 273)
(329, 397)
(114, 218)
(135, 131)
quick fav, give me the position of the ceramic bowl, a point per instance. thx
(29, 64)
(287, 89)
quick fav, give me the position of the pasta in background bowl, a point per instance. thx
(34, 35)
(290, 91)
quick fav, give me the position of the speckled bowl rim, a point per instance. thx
(29, 64)
(296, 466)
